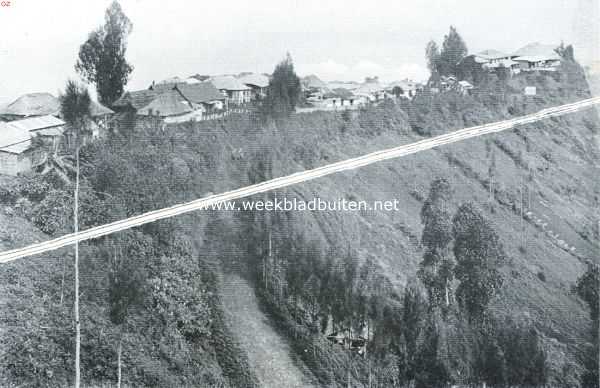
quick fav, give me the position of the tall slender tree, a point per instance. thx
(126, 280)
(479, 254)
(432, 55)
(588, 289)
(102, 56)
(454, 49)
(413, 314)
(75, 107)
(283, 93)
(436, 268)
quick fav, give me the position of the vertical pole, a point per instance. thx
(269, 259)
(522, 204)
(119, 361)
(77, 325)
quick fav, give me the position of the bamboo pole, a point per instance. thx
(77, 323)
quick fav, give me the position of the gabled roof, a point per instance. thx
(172, 80)
(13, 139)
(200, 93)
(15, 136)
(492, 54)
(162, 87)
(227, 82)
(33, 104)
(200, 77)
(37, 124)
(546, 51)
(191, 80)
(97, 109)
(259, 80)
(136, 99)
(168, 103)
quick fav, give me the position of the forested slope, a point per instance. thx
(534, 184)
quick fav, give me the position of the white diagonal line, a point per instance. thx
(277, 183)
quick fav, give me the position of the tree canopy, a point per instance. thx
(75, 104)
(102, 56)
(75, 108)
(566, 52)
(284, 89)
(454, 49)
(479, 253)
(432, 55)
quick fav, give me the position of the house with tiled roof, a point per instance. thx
(258, 83)
(234, 91)
(341, 98)
(537, 56)
(172, 102)
(203, 95)
(135, 100)
(493, 61)
(169, 103)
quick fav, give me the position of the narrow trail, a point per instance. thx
(268, 353)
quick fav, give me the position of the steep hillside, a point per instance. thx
(175, 335)
(535, 183)
(542, 193)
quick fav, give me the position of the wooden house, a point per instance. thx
(234, 91)
(204, 96)
(258, 83)
(27, 143)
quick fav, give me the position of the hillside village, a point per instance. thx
(204, 97)
(457, 289)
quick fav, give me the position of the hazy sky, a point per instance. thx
(336, 39)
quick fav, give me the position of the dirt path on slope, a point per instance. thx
(267, 351)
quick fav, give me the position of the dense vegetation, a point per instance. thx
(150, 296)
(148, 299)
(429, 343)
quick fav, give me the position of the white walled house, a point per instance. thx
(27, 143)
(234, 91)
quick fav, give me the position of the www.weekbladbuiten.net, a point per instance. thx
(315, 204)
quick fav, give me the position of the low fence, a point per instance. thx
(205, 116)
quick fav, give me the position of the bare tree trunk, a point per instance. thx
(369, 373)
(77, 324)
(348, 378)
(491, 191)
(522, 204)
(447, 295)
(62, 282)
(119, 349)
